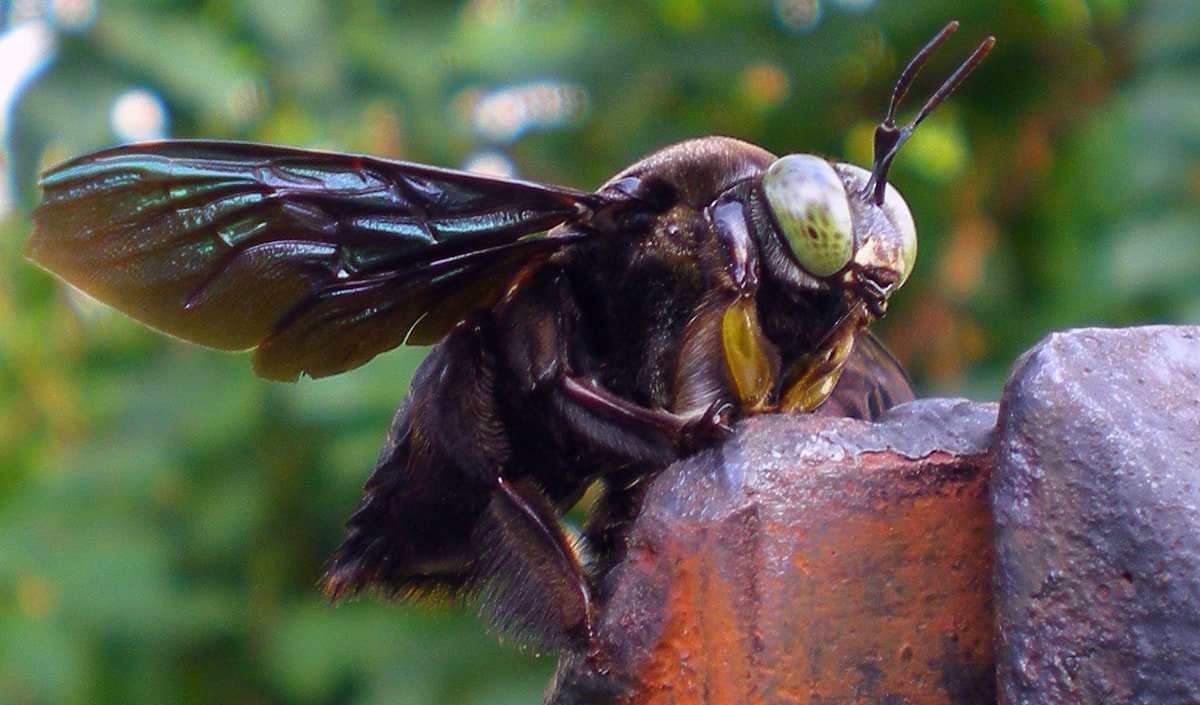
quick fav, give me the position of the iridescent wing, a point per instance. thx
(320, 261)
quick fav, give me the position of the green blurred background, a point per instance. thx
(164, 515)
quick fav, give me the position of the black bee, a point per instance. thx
(583, 336)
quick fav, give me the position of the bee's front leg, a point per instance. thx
(613, 420)
(537, 332)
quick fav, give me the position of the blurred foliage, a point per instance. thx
(164, 515)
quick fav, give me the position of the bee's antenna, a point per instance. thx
(888, 137)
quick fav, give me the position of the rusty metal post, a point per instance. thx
(808, 560)
(814, 560)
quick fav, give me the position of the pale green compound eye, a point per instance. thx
(809, 203)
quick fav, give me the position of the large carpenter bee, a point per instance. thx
(581, 338)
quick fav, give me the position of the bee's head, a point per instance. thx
(837, 235)
(846, 228)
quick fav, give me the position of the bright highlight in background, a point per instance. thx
(803, 16)
(25, 50)
(73, 15)
(490, 163)
(138, 115)
(507, 113)
(798, 15)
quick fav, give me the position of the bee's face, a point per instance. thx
(835, 233)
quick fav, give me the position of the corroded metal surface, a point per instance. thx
(808, 560)
(1097, 506)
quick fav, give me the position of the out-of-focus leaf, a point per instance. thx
(41, 662)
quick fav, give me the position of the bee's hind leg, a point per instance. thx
(529, 580)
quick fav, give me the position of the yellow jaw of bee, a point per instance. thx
(745, 353)
(812, 377)
(820, 371)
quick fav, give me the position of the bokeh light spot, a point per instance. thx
(1070, 15)
(860, 143)
(681, 15)
(490, 162)
(491, 12)
(506, 114)
(36, 597)
(764, 86)
(384, 124)
(798, 15)
(21, 11)
(138, 115)
(74, 15)
(25, 51)
(937, 150)
(246, 100)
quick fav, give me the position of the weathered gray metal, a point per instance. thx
(1097, 509)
